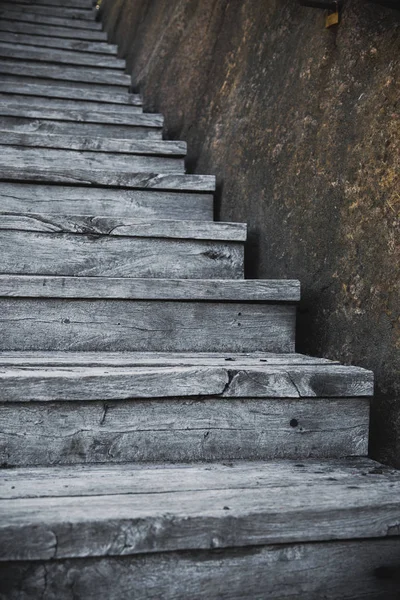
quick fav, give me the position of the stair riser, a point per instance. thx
(60, 57)
(333, 570)
(59, 43)
(177, 430)
(139, 204)
(32, 158)
(106, 325)
(80, 129)
(112, 256)
(50, 31)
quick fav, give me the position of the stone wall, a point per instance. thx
(301, 126)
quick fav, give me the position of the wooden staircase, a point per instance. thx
(159, 436)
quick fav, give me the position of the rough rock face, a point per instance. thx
(301, 126)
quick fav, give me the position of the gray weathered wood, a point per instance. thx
(108, 480)
(339, 570)
(87, 14)
(105, 76)
(45, 384)
(65, 104)
(22, 16)
(113, 117)
(141, 204)
(73, 91)
(60, 43)
(112, 256)
(124, 227)
(182, 430)
(104, 325)
(114, 164)
(173, 181)
(28, 53)
(135, 132)
(161, 289)
(88, 4)
(52, 31)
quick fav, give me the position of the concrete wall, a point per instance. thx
(301, 126)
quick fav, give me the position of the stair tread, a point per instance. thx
(150, 289)
(87, 13)
(52, 31)
(85, 116)
(69, 104)
(194, 507)
(72, 3)
(12, 84)
(23, 16)
(31, 53)
(29, 40)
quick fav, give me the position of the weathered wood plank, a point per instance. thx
(280, 290)
(60, 43)
(64, 104)
(105, 76)
(139, 478)
(108, 256)
(129, 359)
(155, 326)
(22, 109)
(52, 31)
(18, 51)
(182, 430)
(136, 132)
(87, 14)
(88, 4)
(172, 181)
(45, 384)
(19, 157)
(22, 16)
(340, 570)
(14, 85)
(145, 204)
(124, 227)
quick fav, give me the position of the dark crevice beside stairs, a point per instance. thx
(159, 436)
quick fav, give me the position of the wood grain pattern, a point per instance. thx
(60, 43)
(87, 14)
(178, 430)
(87, 35)
(18, 51)
(339, 570)
(24, 16)
(106, 325)
(88, 4)
(105, 76)
(74, 91)
(99, 130)
(269, 290)
(142, 204)
(71, 105)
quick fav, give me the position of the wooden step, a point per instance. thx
(60, 43)
(161, 407)
(115, 322)
(318, 530)
(136, 204)
(22, 16)
(67, 105)
(87, 4)
(145, 129)
(120, 247)
(87, 14)
(12, 26)
(33, 69)
(73, 91)
(29, 53)
(48, 158)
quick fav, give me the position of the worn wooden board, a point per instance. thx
(60, 43)
(74, 91)
(142, 204)
(88, 35)
(113, 163)
(64, 104)
(88, 14)
(26, 16)
(42, 126)
(21, 52)
(70, 3)
(112, 256)
(124, 227)
(47, 384)
(182, 430)
(340, 570)
(253, 290)
(106, 325)
(23, 110)
(104, 76)
(139, 478)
